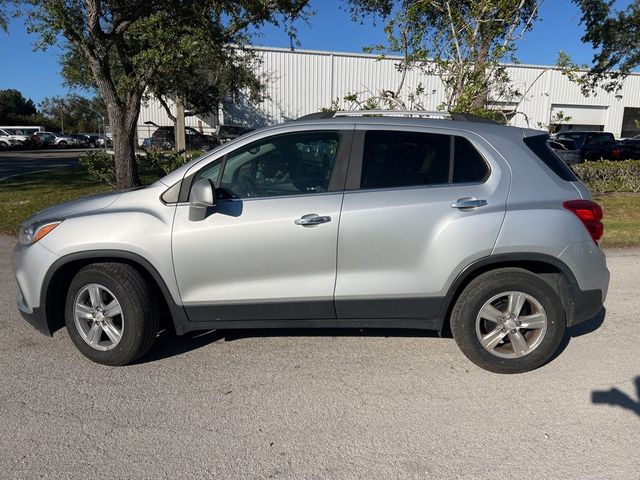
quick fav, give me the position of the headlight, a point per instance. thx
(31, 233)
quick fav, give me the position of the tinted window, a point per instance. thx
(468, 165)
(577, 137)
(211, 171)
(567, 143)
(538, 145)
(292, 164)
(403, 159)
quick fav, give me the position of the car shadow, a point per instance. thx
(617, 398)
(168, 344)
(584, 328)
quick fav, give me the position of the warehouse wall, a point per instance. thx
(303, 81)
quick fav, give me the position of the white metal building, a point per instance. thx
(305, 81)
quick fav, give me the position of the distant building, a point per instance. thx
(305, 81)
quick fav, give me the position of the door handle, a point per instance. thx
(468, 202)
(312, 219)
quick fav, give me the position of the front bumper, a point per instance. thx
(30, 265)
(38, 320)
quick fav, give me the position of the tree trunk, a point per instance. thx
(123, 129)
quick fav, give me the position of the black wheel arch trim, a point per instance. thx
(579, 304)
(178, 313)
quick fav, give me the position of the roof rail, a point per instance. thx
(394, 113)
(441, 115)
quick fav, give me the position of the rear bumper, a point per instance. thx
(586, 305)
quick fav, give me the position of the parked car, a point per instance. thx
(53, 139)
(229, 132)
(566, 149)
(13, 139)
(164, 138)
(634, 144)
(104, 141)
(82, 140)
(335, 221)
(597, 145)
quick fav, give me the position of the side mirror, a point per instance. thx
(202, 198)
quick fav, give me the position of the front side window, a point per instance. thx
(405, 159)
(289, 164)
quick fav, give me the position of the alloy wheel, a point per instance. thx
(511, 324)
(98, 317)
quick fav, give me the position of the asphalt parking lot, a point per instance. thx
(315, 405)
(17, 162)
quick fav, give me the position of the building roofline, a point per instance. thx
(329, 53)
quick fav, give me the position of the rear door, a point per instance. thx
(419, 206)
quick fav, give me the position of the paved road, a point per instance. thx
(16, 162)
(322, 405)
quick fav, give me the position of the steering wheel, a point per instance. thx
(244, 186)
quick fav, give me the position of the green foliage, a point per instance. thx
(77, 114)
(556, 119)
(173, 48)
(5, 13)
(614, 36)
(14, 108)
(607, 176)
(100, 166)
(163, 163)
(461, 41)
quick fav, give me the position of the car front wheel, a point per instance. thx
(110, 313)
(508, 321)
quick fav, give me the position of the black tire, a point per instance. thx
(63, 144)
(140, 316)
(485, 287)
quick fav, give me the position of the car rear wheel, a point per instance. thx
(110, 313)
(508, 321)
(63, 144)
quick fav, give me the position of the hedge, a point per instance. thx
(606, 176)
(100, 165)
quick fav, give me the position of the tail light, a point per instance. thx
(615, 153)
(590, 214)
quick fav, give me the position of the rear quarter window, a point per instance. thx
(538, 145)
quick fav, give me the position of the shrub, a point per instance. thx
(100, 166)
(162, 163)
(606, 176)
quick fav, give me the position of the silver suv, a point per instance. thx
(333, 220)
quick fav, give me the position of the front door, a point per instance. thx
(268, 249)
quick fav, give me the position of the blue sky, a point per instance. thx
(36, 74)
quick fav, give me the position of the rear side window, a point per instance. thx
(405, 159)
(538, 145)
(468, 165)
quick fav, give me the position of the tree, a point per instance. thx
(614, 36)
(14, 108)
(4, 14)
(73, 113)
(125, 48)
(464, 42)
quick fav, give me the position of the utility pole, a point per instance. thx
(181, 141)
